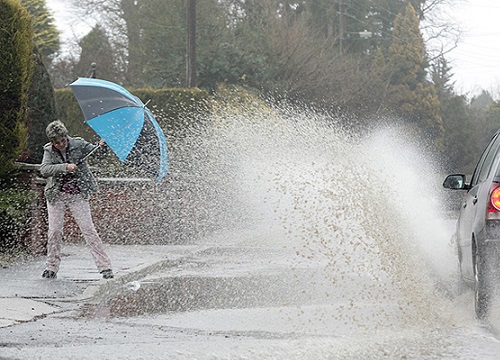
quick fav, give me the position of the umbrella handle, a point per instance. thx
(86, 156)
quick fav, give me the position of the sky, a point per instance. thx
(475, 61)
(66, 20)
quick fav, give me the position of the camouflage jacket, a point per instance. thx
(53, 168)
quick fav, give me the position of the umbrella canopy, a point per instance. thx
(125, 123)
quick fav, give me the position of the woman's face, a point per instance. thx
(60, 143)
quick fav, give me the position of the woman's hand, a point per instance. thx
(102, 143)
(71, 168)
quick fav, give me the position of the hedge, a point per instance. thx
(16, 63)
(42, 110)
(14, 217)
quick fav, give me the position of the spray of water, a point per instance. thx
(353, 222)
(363, 211)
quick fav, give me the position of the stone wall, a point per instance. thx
(182, 209)
(125, 211)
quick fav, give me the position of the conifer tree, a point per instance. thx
(16, 64)
(45, 33)
(411, 95)
(97, 49)
(459, 145)
(441, 78)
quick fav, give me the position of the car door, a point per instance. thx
(474, 200)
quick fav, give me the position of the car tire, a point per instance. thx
(482, 288)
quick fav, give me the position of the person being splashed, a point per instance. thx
(69, 185)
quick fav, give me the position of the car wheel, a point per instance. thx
(482, 275)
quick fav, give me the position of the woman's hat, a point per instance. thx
(56, 130)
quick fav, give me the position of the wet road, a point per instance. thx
(244, 302)
(344, 253)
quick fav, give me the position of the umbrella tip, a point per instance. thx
(147, 102)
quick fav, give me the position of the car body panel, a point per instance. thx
(473, 229)
(464, 229)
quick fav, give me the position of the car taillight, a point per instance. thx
(493, 211)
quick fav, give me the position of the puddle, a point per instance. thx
(189, 293)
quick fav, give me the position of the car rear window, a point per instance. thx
(484, 166)
(489, 159)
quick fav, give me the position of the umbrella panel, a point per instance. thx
(95, 101)
(120, 129)
(145, 155)
(126, 125)
(163, 169)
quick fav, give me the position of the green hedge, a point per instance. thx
(16, 63)
(42, 110)
(14, 217)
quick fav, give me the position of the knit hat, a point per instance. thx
(56, 130)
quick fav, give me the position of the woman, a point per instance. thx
(69, 185)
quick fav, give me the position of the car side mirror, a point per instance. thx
(455, 182)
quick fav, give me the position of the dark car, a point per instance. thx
(478, 227)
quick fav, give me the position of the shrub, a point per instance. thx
(42, 110)
(14, 210)
(16, 63)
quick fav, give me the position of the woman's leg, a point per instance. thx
(55, 211)
(81, 212)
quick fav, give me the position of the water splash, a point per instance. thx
(310, 228)
(363, 210)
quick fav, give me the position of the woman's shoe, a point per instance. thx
(107, 274)
(49, 274)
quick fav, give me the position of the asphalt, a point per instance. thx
(26, 296)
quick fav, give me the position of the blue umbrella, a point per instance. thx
(125, 123)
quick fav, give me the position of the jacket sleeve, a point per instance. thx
(48, 168)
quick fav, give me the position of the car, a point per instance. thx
(477, 233)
